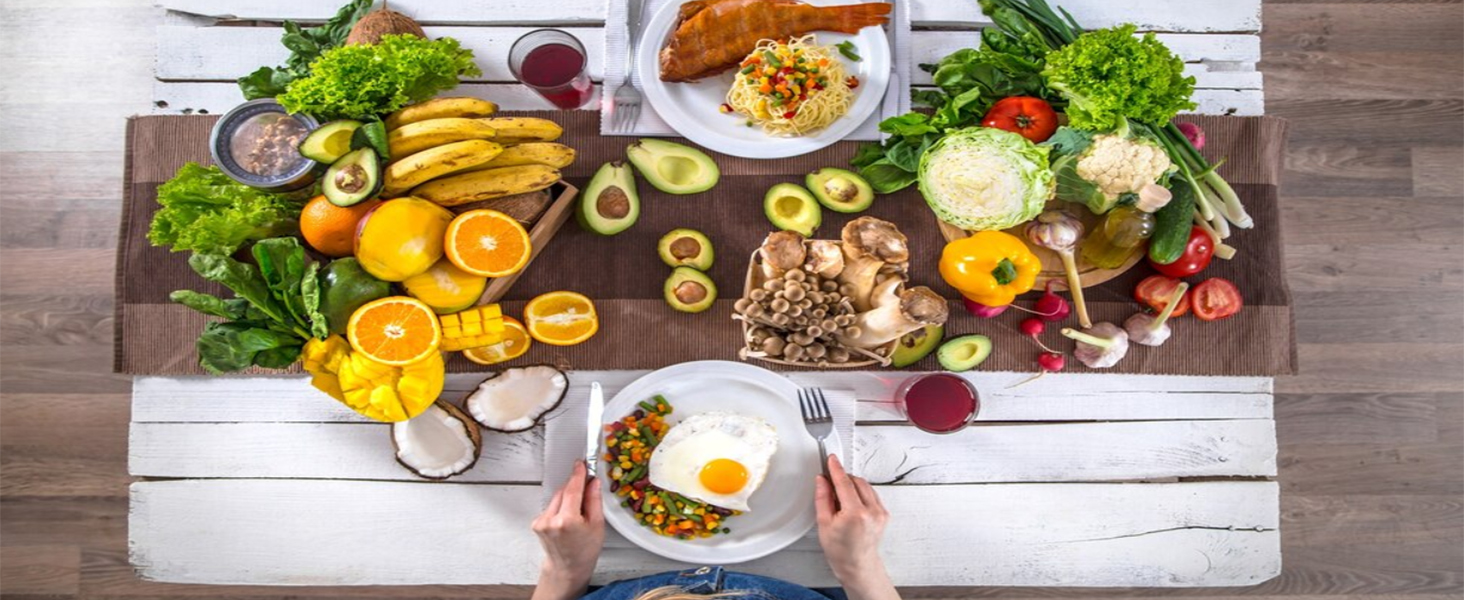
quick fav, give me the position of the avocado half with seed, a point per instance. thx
(916, 345)
(791, 208)
(686, 248)
(689, 290)
(610, 203)
(673, 168)
(840, 190)
(352, 178)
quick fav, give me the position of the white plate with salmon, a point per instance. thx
(765, 78)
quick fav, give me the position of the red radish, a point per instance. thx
(1051, 307)
(982, 311)
(1051, 362)
(1193, 133)
(1033, 327)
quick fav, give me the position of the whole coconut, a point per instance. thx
(382, 22)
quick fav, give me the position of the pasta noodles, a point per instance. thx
(791, 89)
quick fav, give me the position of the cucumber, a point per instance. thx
(1172, 224)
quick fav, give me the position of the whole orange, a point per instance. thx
(331, 229)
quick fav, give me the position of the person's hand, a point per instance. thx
(572, 531)
(851, 520)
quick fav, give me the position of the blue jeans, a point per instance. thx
(710, 580)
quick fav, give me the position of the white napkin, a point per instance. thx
(564, 429)
(897, 95)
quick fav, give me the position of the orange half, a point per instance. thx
(516, 342)
(487, 243)
(561, 318)
(395, 330)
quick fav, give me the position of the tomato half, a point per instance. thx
(1032, 118)
(1198, 252)
(1216, 299)
(1156, 290)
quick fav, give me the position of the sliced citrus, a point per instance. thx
(487, 243)
(561, 318)
(395, 330)
(516, 342)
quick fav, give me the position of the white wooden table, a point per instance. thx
(1073, 480)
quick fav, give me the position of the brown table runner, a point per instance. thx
(624, 275)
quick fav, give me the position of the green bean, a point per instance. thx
(646, 406)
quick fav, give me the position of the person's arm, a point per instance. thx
(851, 519)
(572, 531)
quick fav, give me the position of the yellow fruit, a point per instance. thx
(548, 154)
(514, 130)
(561, 318)
(416, 137)
(441, 108)
(474, 186)
(515, 343)
(401, 238)
(331, 229)
(488, 243)
(378, 391)
(395, 331)
(421, 167)
(472, 328)
(446, 288)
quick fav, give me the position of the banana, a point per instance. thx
(548, 154)
(431, 163)
(514, 130)
(488, 184)
(441, 108)
(412, 138)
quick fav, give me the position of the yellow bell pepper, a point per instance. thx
(990, 267)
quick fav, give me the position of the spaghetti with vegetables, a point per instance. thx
(792, 88)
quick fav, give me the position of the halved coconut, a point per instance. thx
(439, 443)
(516, 399)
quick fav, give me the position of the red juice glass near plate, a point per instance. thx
(939, 402)
(552, 63)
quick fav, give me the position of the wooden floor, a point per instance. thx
(1371, 431)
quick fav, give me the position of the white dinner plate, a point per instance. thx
(782, 508)
(693, 109)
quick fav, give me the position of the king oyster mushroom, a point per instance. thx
(870, 245)
(517, 398)
(439, 443)
(825, 259)
(896, 312)
(781, 252)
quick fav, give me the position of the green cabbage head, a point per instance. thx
(983, 179)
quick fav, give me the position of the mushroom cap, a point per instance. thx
(783, 251)
(825, 259)
(877, 238)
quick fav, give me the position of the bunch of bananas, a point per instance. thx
(451, 151)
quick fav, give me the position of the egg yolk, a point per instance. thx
(724, 476)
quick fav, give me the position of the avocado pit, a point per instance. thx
(613, 203)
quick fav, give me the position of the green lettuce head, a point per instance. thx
(985, 179)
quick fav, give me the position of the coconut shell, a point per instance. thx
(468, 407)
(526, 208)
(474, 433)
(382, 22)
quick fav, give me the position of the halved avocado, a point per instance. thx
(329, 142)
(792, 208)
(917, 345)
(840, 190)
(353, 178)
(609, 204)
(689, 290)
(674, 168)
(686, 248)
(964, 353)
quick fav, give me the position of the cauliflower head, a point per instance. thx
(1121, 165)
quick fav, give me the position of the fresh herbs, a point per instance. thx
(306, 45)
(847, 49)
(366, 82)
(274, 311)
(1108, 75)
(204, 210)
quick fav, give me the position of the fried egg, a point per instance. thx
(718, 457)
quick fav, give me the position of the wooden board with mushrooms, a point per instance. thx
(833, 303)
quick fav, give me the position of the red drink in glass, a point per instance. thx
(552, 63)
(939, 402)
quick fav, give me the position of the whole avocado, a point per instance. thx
(344, 287)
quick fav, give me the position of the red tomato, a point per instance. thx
(1197, 255)
(1156, 290)
(1031, 117)
(1216, 299)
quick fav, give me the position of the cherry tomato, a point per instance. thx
(1216, 299)
(1156, 290)
(1030, 117)
(1197, 255)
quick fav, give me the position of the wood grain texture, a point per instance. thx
(1365, 513)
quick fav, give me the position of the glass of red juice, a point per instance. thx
(552, 63)
(939, 402)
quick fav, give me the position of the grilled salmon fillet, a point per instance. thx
(712, 36)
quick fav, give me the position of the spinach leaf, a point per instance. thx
(242, 278)
(886, 177)
(281, 264)
(209, 304)
(234, 346)
(310, 293)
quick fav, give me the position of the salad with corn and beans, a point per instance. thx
(629, 443)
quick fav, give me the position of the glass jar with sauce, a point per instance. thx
(257, 143)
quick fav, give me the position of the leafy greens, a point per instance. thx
(306, 44)
(1108, 75)
(366, 81)
(203, 210)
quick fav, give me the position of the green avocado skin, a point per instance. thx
(344, 287)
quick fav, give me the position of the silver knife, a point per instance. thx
(593, 426)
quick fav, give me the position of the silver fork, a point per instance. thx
(818, 420)
(626, 110)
